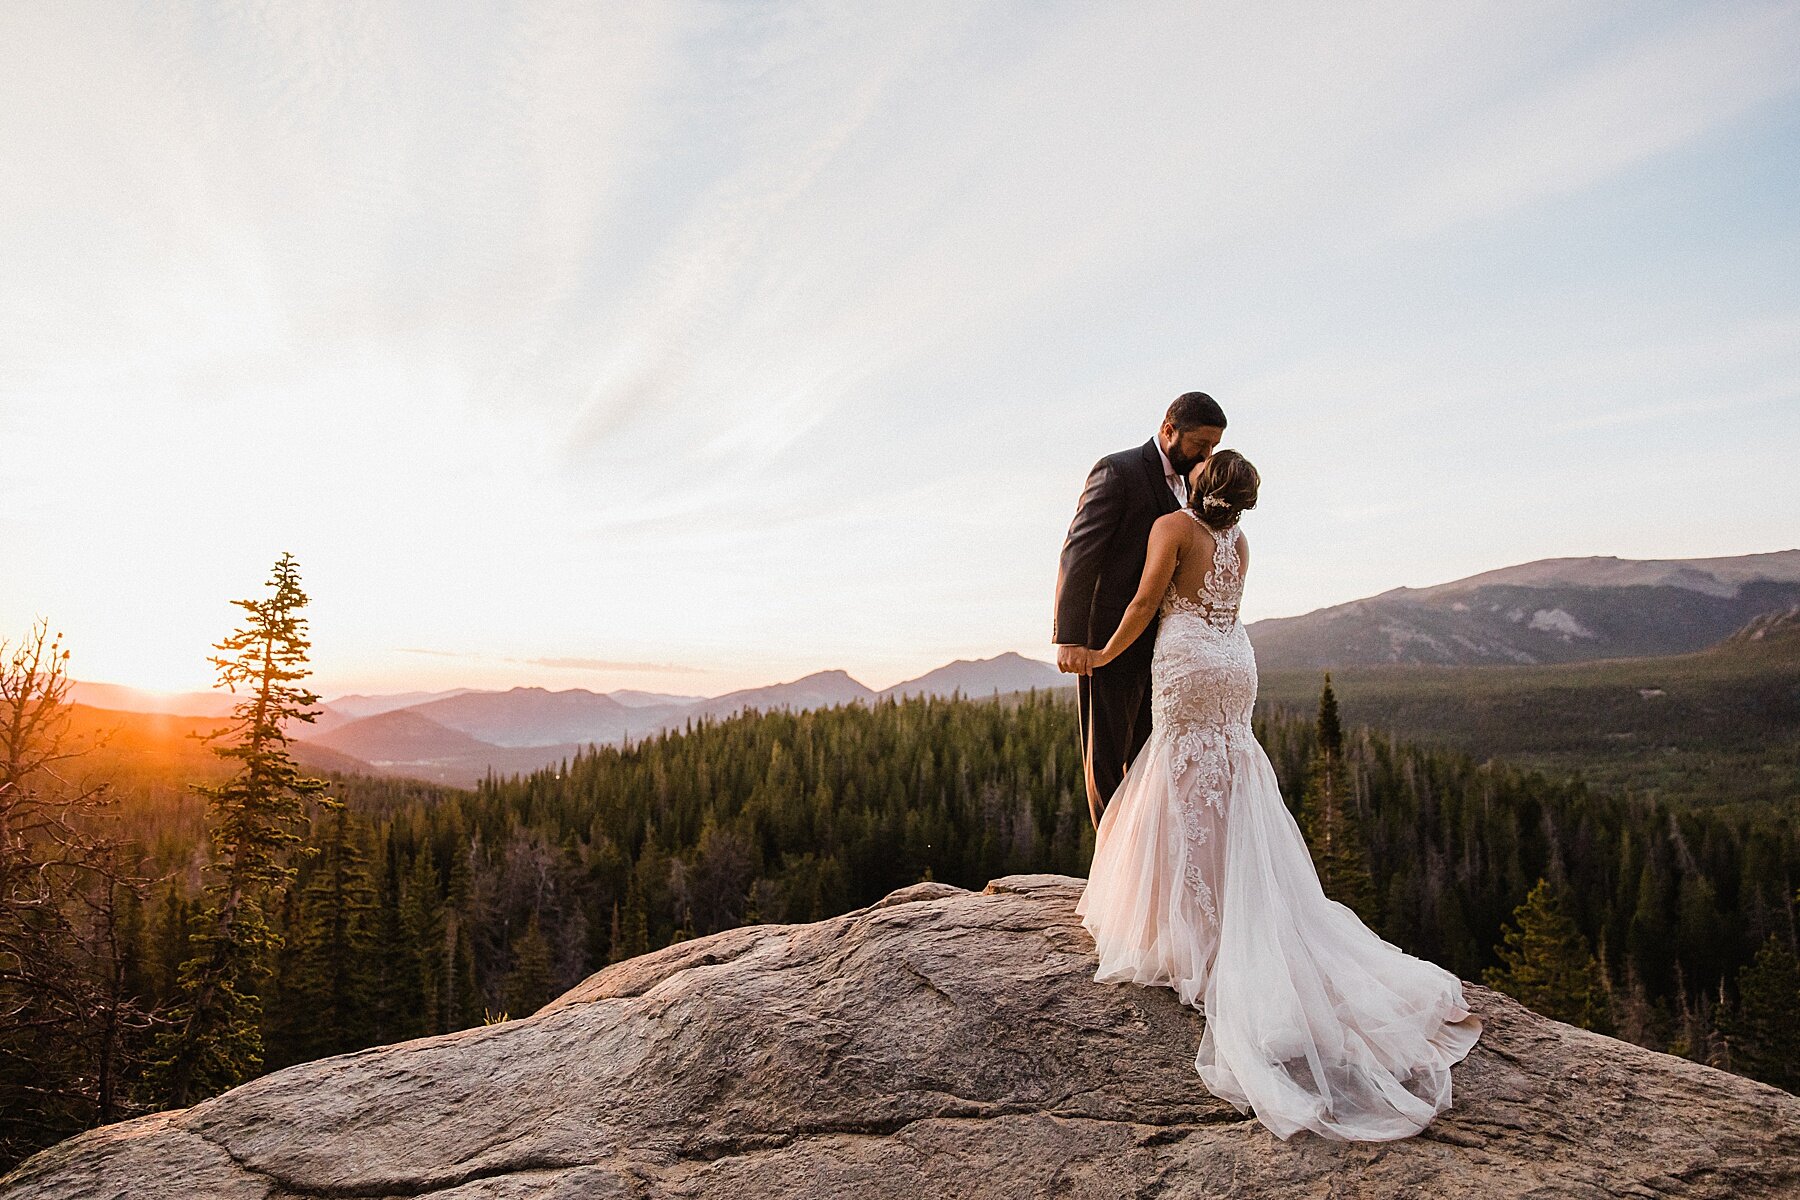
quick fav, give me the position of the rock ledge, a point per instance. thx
(940, 1042)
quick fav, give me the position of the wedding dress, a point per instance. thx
(1201, 881)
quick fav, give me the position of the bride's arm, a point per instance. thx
(1159, 568)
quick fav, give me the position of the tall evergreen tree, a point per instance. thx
(170, 942)
(634, 938)
(286, 1010)
(1547, 965)
(396, 997)
(215, 1041)
(334, 945)
(1763, 1031)
(467, 1002)
(1649, 937)
(422, 916)
(1701, 933)
(530, 985)
(1329, 818)
(135, 965)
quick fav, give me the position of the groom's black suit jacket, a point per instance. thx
(1103, 556)
(1102, 564)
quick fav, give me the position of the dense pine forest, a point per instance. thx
(413, 909)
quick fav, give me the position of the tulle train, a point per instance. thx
(1312, 1020)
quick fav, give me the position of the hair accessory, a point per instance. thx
(1216, 501)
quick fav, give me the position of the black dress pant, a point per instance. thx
(1114, 703)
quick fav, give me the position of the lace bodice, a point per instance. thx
(1203, 672)
(1223, 587)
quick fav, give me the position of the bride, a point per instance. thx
(1202, 882)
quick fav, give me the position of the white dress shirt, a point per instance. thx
(1176, 481)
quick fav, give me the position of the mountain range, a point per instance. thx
(1559, 610)
(1553, 610)
(458, 737)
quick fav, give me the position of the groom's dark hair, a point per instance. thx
(1191, 410)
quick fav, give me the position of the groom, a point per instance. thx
(1102, 561)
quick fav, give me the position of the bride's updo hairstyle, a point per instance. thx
(1224, 488)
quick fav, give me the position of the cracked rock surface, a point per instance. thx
(940, 1042)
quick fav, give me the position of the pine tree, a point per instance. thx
(1547, 965)
(1762, 1032)
(286, 1012)
(466, 995)
(466, 1003)
(134, 948)
(170, 943)
(635, 925)
(215, 1040)
(422, 916)
(335, 941)
(1329, 819)
(397, 998)
(530, 986)
(615, 935)
(1701, 933)
(1649, 938)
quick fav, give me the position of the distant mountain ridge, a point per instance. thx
(458, 738)
(1713, 576)
(1549, 611)
(356, 707)
(982, 677)
(825, 689)
(533, 716)
(1553, 610)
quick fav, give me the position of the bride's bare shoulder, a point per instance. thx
(1179, 527)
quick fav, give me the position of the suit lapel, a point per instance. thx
(1159, 484)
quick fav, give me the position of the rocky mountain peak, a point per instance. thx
(1771, 626)
(940, 1042)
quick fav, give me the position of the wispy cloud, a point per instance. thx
(1563, 133)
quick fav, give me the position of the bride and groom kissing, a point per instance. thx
(1201, 880)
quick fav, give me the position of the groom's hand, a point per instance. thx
(1073, 660)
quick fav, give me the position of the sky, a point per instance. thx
(688, 347)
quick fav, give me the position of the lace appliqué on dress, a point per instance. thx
(1205, 749)
(1203, 690)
